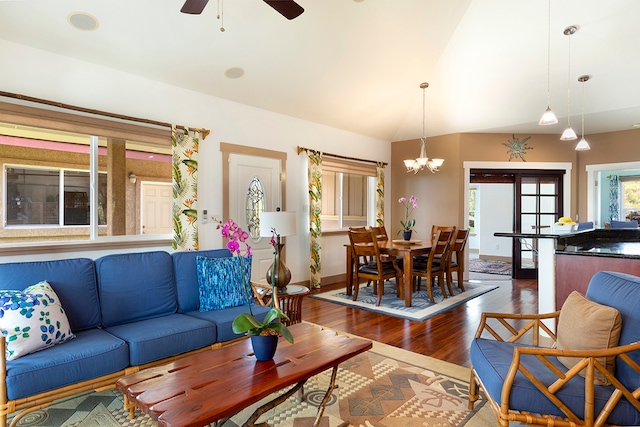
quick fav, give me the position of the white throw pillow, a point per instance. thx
(32, 319)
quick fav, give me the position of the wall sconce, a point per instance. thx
(132, 177)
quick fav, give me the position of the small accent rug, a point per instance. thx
(421, 306)
(385, 386)
(488, 266)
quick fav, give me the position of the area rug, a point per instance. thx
(421, 306)
(385, 386)
(488, 266)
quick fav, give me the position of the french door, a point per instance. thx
(538, 204)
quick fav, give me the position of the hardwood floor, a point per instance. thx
(446, 336)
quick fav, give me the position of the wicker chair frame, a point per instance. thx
(535, 330)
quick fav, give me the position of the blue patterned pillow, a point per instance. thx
(221, 282)
(32, 320)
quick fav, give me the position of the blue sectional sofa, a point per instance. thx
(529, 383)
(127, 311)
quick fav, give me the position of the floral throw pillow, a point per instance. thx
(220, 281)
(32, 320)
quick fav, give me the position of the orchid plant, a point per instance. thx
(246, 322)
(409, 206)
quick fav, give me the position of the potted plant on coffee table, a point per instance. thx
(264, 335)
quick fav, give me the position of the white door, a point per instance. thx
(254, 181)
(155, 207)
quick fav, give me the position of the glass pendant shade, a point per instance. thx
(548, 118)
(583, 145)
(568, 134)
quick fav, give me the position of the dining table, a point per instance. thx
(405, 249)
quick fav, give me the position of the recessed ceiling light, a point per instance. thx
(83, 21)
(234, 73)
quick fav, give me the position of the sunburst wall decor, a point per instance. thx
(517, 147)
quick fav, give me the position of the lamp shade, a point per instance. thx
(284, 223)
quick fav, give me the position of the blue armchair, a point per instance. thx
(552, 385)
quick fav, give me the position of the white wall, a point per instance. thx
(62, 79)
(494, 213)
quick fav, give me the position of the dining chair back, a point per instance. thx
(456, 260)
(370, 265)
(432, 270)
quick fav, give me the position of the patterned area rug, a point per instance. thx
(386, 386)
(487, 266)
(421, 306)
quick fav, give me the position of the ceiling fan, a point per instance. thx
(287, 8)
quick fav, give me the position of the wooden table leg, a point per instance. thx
(408, 285)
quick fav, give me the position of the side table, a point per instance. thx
(290, 302)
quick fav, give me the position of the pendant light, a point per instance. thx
(418, 164)
(548, 118)
(583, 145)
(569, 134)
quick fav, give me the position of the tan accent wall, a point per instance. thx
(440, 195)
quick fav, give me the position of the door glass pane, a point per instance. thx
(529, 185)
(548, 204)
(548, 187)
(529, 203)
(528, 223)
(548, 220)
(255, 204)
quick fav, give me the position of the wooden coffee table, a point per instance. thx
(216, 384)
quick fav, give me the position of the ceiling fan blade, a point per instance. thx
(287, 8)
(194, 7)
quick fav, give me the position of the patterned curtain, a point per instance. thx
(315, 209)
(185, 188)
(380, 194)
(614, 197)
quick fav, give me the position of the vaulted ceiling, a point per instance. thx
(357, 64)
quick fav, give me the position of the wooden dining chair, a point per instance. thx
(456, 259)
(365, 247)
(430, 269)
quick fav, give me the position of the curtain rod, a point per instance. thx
(203, 131)
(338, 156)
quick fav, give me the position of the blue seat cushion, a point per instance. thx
(224, 318)
(91, 354)
(186, 277)
(135, 287)
(73, 280)
(491, 359)
(154, 339)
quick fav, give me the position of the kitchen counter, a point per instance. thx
(567, 261)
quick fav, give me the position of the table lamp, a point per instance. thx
(277, 224)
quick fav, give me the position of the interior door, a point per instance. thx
(155, 206)
(254, 186)
(538, 204)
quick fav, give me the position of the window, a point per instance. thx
(630, 197)
(348, 194)
(45, 160)
(473, 193)
(33, 196)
